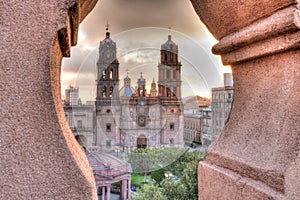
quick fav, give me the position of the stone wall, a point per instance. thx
(40, 159)
(256, 154)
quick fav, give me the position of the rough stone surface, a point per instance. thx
(263, 130)
(40, 158)
(225, 17)
(231, 185)
(257, 153)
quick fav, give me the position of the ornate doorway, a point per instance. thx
(141, 142)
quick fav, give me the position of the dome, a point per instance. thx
(169, 45)
(108, 42)
(141, 79)
(126, 91)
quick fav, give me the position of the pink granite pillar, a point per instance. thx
(257, 153)
(40, 158)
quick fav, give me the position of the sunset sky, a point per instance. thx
(139, 27)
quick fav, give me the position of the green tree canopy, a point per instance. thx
(147, 192)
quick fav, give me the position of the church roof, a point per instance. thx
(102, 161)
(127, 78)
(106, 167)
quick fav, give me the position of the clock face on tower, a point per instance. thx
(142, 120)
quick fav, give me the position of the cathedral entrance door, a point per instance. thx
(141, 142)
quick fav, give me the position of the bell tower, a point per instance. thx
(107, 92)
(153, 91)
(169, 93)
(169, 71)
(107, 71)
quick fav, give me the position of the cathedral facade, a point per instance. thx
(128, 117)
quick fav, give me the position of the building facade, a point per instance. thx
(81, 121)
(192, 127)
(206, 124)
(135, 118)
(72, 96)
(222, 98)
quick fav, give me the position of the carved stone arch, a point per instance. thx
(260, 39)
(39, 143)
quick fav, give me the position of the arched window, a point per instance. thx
(104, 74)
(174, 91)
(111, 74)
(168, 92)
(111, 89)
(104, 92)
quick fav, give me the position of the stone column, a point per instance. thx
(122, 193)
(129, 189)
(103, 192)
(257, 153)
(108, 192)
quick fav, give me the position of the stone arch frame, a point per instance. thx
(263, 40)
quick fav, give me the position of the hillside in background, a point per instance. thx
(195, 102)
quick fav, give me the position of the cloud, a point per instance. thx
(139, 27)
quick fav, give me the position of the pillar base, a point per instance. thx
(219, 183)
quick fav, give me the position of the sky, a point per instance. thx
(139, 27)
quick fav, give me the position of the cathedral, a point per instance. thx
(130, 117)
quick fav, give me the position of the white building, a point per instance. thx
(81, 120)
(72, 96)
(192, 126)
(206, 124)
(222, 98)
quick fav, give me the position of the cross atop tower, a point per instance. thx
(169, 36)
(107, 26)
(107, 29)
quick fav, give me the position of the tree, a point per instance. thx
(186, 169)
(186, 188)
(144, 161)
(149, 192)
(190, 180)
(158, 175)
(173, 190)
